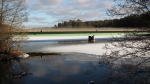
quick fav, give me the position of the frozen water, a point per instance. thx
(51, 38)
(93, 48)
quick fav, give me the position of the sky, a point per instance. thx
(47, 13)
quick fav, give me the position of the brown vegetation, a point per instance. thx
(16, 53)
(12, 15)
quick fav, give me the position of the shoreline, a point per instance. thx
(42, 54)
(31, 54)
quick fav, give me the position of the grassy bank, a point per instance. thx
(73, 34)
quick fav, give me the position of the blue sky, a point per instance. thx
(47, 13)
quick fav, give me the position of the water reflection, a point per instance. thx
(12, 69)
(54, 69)
(80, 63)
(123, 70)
(76, 68)
(63, 69)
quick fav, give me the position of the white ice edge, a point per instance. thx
(24, 55)
(67, 37)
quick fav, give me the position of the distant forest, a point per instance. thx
(132, 21)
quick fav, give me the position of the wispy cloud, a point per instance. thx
(59, 10)
(35, 19)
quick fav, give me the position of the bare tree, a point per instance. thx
(12, 14)
(129, 57)
(133, 44)
(129, 7)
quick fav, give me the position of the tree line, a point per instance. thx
(133, 21)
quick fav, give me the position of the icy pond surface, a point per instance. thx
(80, 63)
(67, 44)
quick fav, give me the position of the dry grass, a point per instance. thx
(16, 53)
